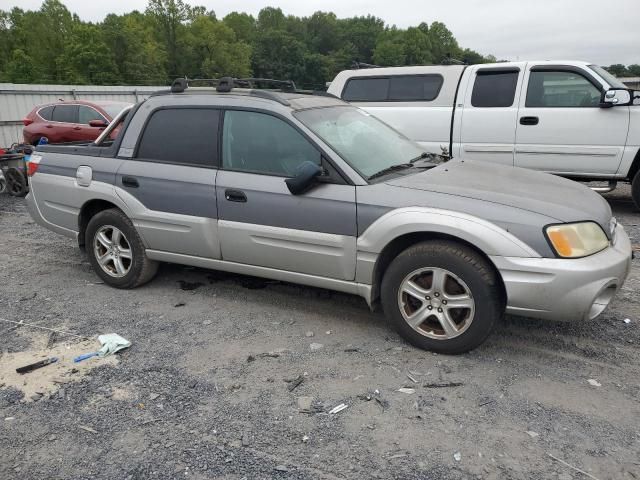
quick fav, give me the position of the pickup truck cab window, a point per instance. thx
(261, 143)
(494, 88)
(187, 136)
(561, 89)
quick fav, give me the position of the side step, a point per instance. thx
(612, 186)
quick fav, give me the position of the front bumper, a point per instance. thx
(565, 289)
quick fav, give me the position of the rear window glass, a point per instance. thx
(65, 113)
(366, 90)
(46, 112)
(399, 88)
(187, 136)
(494, 89)
(415, 88)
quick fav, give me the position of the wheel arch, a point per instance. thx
(87, 212)
(404, 241)
(635, 166)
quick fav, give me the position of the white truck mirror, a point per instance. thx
(615, 97)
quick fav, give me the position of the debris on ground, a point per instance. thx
(532, 434)
(457, 456)
(627, 320)
(295, 383)
(87, 429)
(411, 378)
(408, 391)
(594, 383)
(34, 366)
(305, 404)
(281, 468)
(572, 467)
(443, 385)
(338, 408)
(308, 334)
(179, 304)
(189, 286)
(315, 346)
(111, 343)
(351, 349)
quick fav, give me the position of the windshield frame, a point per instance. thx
(611, 80)
(330, 146)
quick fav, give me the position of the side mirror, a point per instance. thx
(98, 123)
(615, 97)
(306, 175)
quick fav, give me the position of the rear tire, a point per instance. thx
(16, 182)
(116, 251)
(454, 301)
(635, 190)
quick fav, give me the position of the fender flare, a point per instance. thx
(486, 236)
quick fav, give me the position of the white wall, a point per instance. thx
(17, 100)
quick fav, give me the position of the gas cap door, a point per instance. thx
(84, 175)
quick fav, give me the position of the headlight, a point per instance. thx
(574, 240)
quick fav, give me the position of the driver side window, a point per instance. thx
(260, 143)
(561, 89)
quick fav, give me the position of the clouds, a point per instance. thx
(509, 29)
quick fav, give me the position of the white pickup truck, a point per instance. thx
(568, 118)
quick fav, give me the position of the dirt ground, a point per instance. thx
(208, 389)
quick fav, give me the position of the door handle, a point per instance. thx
(235, 196)
(529, 120)
(77, 128)
(130, 182)
(48, 126)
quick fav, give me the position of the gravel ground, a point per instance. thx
(206, 390)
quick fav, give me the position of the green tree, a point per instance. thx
(21, 68)
(243, 25)
(417, 47)
(617, 70)
(169, 15)
(443, 43)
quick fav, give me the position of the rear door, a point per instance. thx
(169, 183)
(488, 114)
(261, 223)
(63, 120)
(561, 127)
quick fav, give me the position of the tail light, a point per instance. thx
(27, 121)
(33, 164)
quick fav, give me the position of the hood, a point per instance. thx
(549, 195)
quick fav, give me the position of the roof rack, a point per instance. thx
(226, 84)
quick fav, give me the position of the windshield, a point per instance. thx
(607, 77)
(363, 141)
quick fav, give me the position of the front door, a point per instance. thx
(260, 222)
(561, 128)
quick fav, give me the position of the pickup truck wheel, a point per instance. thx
(442, 296)
(16, 182)
(116, 251)
(635, 190)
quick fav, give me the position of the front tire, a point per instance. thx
(116, 251)
(442, 296)
(635, 190)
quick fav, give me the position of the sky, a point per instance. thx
(590, 30)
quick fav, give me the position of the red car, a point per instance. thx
(70, 121)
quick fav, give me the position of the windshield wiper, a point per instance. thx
(392, 168)
(419, 157)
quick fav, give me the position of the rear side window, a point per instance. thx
(366, 90)
(86, 114)
(183, 136)
(494, 89)
(46, 112)
(399, 88)
(65, 114)
(415, 88)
